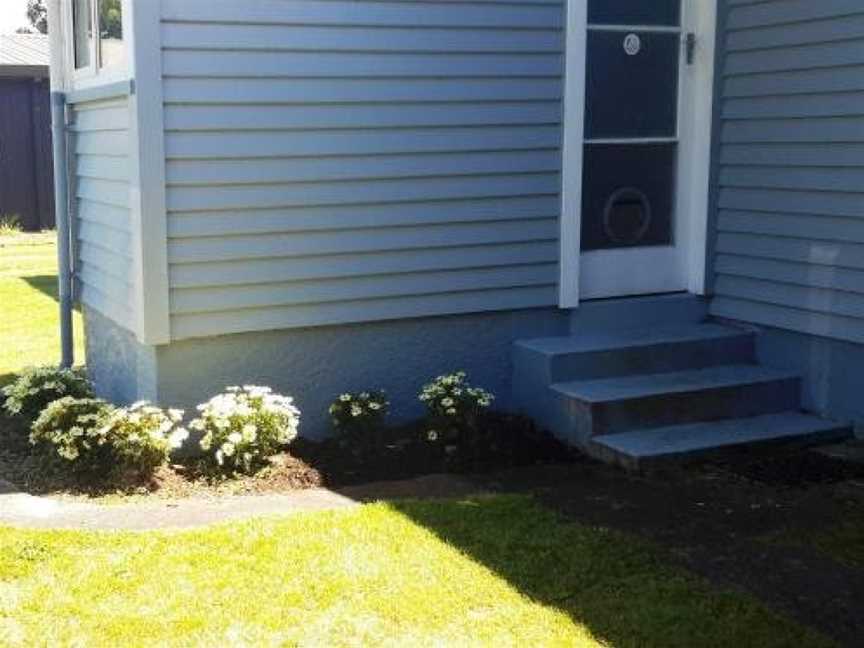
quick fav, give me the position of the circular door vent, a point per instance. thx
(627, 216)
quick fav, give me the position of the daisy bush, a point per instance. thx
(243, 426)
(90, 436)
(35, 387)
(453, 406)
(143, 436)
(358, 416)
(69, 429)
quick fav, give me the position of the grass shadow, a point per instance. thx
(46, 284)
(619, 587)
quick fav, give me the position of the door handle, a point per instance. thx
(690, 47)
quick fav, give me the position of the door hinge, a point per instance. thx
(690, 47)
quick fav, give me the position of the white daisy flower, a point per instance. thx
(178, 436)
(250, 432)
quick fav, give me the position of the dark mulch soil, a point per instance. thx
(504, 441)
(501, 441)
(734, 521)
(789, 467)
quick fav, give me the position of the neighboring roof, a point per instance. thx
(24, 55)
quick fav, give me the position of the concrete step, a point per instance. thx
(644, 351)
(651, 447)
(624, 403)
(648, 311)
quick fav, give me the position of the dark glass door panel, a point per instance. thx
(631, 89)
(628, 195)
(665, 13)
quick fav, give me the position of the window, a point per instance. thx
(112, 54)
(82, 26)
(97, 37)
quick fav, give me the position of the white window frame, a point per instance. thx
(694, 132)
(93, 75)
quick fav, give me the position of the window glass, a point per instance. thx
(628, 195)
(83, 32)
(112, 53)
(631, 84)
(635, 12)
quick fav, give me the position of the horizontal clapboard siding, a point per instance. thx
(103, 227)
(789, 251)
(332, 162)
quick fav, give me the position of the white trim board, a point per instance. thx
(147, 171)
(572, 150)
(697, 81)
(704, 24)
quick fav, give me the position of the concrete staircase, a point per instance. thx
(664, 391)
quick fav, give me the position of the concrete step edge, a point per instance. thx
(695, 439)
(565, 345)
(633, 387)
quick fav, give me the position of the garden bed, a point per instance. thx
(396, 453)
(788, 467)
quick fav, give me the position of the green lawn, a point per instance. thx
(490, 571)
(29, 333)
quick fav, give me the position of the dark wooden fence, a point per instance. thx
(26, 169)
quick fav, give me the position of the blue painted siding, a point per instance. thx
(332, 162)
(103, 224)
(789, 250)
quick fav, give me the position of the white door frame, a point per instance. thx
(695, 123)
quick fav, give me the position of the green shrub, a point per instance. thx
(358, 417)
(92, 437)
(243, 426)
(71, 429)
(35, 387)
(453, 407)
(10, 224)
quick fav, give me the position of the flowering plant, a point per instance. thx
(70, 428)
(142, 435)
(357, 415)
(453, 405)
(245, 425)
(35, 387)
(94, 437)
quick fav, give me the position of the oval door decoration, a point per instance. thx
(627, 216)
(632, 44)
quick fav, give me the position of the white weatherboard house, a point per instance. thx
(640, 221)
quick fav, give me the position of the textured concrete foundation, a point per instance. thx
(122, 369)
(828, 367)
(315, 365)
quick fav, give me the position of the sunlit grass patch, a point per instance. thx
(29, 328)
(496, 571)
